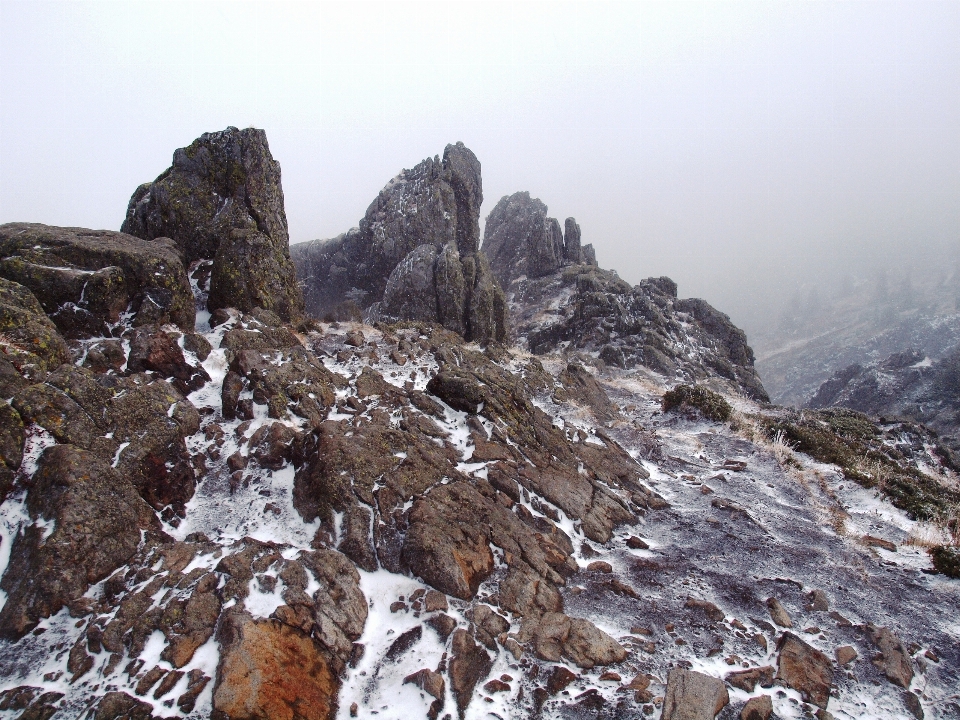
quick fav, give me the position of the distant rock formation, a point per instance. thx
(87, 279)
(559, 298)
(519, 239)
(415, 255)
(222, 201)
(905, 385)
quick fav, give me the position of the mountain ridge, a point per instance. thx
(248, 513)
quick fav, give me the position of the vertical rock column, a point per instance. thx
(221, 200)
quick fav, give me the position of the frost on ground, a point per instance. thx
(717, 525)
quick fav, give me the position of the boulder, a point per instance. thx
(270, 670)
(29, 341)
(415, 255)
(151, 420)
(894, 659)
(747, 680)
(86, 279)
(11, 446)
(757, 708)
(555, 636)
(91, 522)
(805, 669)
(778, 613)
(693, 696)
(157, 351)
(222, 200)
(120, 706)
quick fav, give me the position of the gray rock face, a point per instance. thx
(222, 200)
(411, 291)
(646, 325)
(415, 255)
(571, 241)
(519, 239)
(86, 279)
(559, 296)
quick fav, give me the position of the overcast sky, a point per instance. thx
(740, 148)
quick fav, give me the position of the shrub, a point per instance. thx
(709, 404)
(946, 559)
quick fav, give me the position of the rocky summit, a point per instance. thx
(560, 300)
(415, 255)
(240, 514)
(221, 202)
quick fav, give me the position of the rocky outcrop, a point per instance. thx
(87, 280)
(221, 200)
(90, 524)
(30, 345)
(415, 255)
(558, 297)
(906, 385)
(520, 240)
(581, 307)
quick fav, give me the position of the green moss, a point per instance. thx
(708, 403)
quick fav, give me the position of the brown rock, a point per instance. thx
(708, 608)
(495, 686)
(197, 682)
(120, 706)
(778, 613)
(559, 678)
(271, 444)
(488, 625)
(894, 659)
(150, 678)
(805, 669)
(635, 543)
(469, 664)
(430, 682)
(370, 382)
(270, 670)
(600, 566)
(871, 541)
(845, 654)
(757, 708)
(747, 680)
(159, 352)
(588, 646)
(443, 624)
(817, 600)
(434, 601)
(693, 696)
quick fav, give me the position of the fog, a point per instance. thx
(744, 149)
